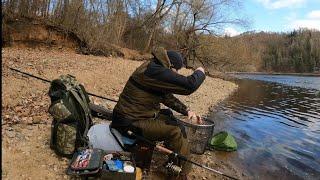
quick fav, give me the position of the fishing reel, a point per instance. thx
(172, 169)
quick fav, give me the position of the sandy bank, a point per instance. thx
(26, 123)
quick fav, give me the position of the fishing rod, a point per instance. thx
(47, 81)
(174, 154)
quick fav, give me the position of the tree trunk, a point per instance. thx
(147, 47)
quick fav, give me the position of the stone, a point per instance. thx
(17, 129)
(36, 119)
(18, 109)
(10, 129)
(11, 134)
(15, 119)
(20, 136)
(55, 168)
(29, 120)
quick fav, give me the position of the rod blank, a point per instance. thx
(48, 81)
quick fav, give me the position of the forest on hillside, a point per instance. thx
(192, 27)
(297, 51)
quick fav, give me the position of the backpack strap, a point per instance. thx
(87, 114)
(85, 102)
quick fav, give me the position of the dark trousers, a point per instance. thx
(165, 128)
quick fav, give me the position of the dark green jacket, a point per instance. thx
(151, 84)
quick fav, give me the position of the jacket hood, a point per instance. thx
(161, 54)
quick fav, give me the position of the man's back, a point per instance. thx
(154, 83)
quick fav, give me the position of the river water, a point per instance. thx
(276, 122)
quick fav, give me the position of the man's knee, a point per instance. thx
(176, 133)
(177, 141)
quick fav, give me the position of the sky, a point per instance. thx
(278, 15)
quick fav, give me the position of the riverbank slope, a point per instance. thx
(26, 123)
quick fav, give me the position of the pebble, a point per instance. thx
(15, 119)
(18, 108)
(55, 168)
(20, 136)
(11, 134)
(10, 129)
(17, 129)
(25, 112)
(36, 119)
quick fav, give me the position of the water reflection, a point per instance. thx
(309, 82)
(277, 128)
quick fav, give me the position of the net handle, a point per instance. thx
(198, 125)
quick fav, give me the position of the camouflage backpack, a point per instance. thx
(71, 115)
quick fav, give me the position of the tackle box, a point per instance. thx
(96, 163)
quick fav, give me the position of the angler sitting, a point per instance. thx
(155, 82)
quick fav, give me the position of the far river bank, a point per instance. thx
(277, 73)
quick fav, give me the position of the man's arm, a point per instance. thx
(164, 79)
(174, 103)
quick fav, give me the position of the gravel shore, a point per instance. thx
(26, 123)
